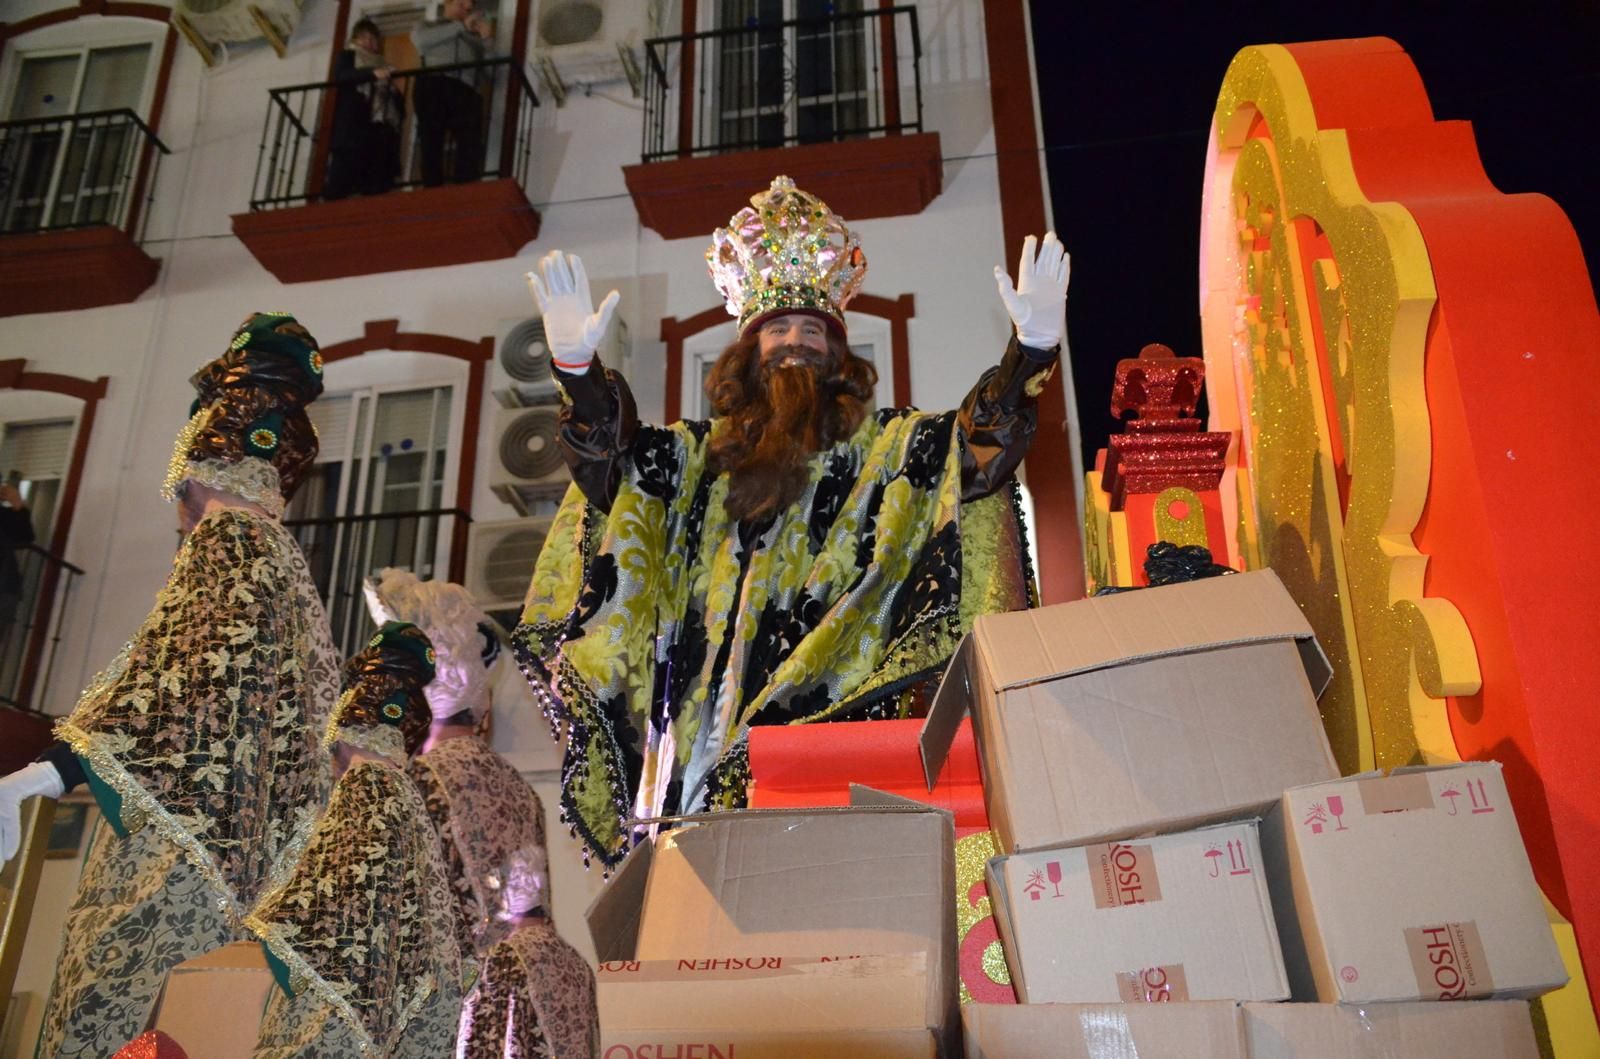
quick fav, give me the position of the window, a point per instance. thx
(58, 170)
(35, 456)
(804, 83)
(869, 337)
(384, 464)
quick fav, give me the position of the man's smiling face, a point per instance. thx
(793, 338)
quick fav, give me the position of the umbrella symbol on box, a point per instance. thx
(1214, 854)
(1452, 794)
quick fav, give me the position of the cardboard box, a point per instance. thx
(1151, 710)
(211, 1006)
(1175, 917)
(1498, 1028)
(872, 880)
(1203, 1030)
(766, 1007)
(1411, 886)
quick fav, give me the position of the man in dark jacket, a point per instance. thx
(365, 145)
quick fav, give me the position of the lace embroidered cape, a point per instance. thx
(365, 921)
(207, 725)
(536, 1000)
(484, 812)
(658, 633)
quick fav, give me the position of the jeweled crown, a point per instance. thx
(786, 252)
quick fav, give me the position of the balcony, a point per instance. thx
(30, 631)
(74, 194)
(301, 228)
(343, 551)
(834, 102)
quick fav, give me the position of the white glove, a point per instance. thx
(1038, 303)
(40, 777)
(573, 327)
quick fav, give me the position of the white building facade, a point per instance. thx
(403, 424)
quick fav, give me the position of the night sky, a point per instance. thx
(1127, 94)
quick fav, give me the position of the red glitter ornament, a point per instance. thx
(152, 1045)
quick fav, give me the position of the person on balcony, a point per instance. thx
(361, 934)
(449, 105)
(535, 996)
(364, 149)
(16, 531)
(798, 557)
(201, 740)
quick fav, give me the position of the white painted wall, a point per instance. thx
(124, 535)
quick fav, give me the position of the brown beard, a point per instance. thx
(777, 417)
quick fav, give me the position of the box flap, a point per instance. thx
(788, 992)
(1029, 646)
(212, 1005)
(864, 797)
(950, 703)
(613, 915)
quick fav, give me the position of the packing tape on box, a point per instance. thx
(1107, 1035)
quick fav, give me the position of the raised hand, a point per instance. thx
(1038, 302)
(573, 327)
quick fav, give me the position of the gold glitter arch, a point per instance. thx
(1315, 307)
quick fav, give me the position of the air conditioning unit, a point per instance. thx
(591, 42)
(500, 558)
(526, 465)
(522, 374)
(205, 24)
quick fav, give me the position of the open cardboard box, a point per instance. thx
(785, 933)
(211, 1006)
(1159, 709)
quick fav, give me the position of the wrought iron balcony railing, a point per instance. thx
(76, 171)
(30, 627)
(344, 551)
(776, 84)
(300, 143)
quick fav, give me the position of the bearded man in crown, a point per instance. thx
(797, 558)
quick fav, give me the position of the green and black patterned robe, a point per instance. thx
(657, 632)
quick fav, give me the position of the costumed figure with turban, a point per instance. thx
(361, 935)
(200, 741)
(798, 557)
(535, 996)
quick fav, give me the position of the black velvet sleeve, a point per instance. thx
(345, 70)
(1000, 416)
(66, 762)
(598, 424)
